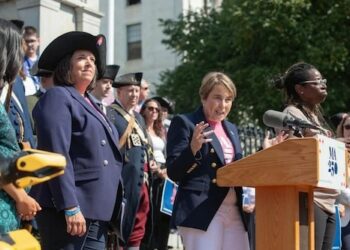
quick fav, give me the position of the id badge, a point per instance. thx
(135, 140)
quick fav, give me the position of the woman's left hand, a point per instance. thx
(76, 224)
(280, 137)
(153, 166)
(162, 173)
(249, 208)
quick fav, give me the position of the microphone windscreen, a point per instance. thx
(275, 119)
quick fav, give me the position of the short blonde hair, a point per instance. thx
(212, 79)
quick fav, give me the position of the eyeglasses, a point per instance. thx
(316, 82)
(30, 40)
(347, 126)
(153, 109)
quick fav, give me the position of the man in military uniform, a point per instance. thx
(136, 154)
(103, 86)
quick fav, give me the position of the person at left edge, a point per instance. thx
(15, 204)
(78, 205)
(103, 86)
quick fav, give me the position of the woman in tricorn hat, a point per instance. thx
(77, 206)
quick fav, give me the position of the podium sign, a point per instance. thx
(332, 170)
(285, 176)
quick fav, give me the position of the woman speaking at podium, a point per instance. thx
(207, 216)
(305, 89)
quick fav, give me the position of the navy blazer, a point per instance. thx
(198, 197)
(66, 123)
(19, 114)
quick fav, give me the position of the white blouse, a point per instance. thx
(158, 148)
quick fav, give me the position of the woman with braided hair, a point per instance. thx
(305, 90)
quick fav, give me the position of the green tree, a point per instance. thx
(253, 41)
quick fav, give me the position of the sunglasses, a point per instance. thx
(347, 126)
(152, 109)
(316, 82)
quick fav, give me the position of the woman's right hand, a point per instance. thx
(76, 224)
(200, 136)
(346, 141)
(27, 207)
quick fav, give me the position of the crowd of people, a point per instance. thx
(120, 154)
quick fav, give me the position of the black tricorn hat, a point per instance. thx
(19, 23)
(128, 79)
(69, 42)
(111, 72)
(35, 71)
(164, 103)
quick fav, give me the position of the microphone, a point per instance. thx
(275, 119)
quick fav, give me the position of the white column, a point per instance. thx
(110, 33)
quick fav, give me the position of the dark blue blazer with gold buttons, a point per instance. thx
(67, 124)
(198, 197)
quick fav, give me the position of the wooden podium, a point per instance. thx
(284, 176)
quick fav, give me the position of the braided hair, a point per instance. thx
(295, 74)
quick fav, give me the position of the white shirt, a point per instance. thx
(158, 148)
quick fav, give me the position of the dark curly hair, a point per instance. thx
(158, 124)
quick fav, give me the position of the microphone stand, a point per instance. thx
(297, 129)
(297, 133)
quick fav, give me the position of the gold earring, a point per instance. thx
(69, 77)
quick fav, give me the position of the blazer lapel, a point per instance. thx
(94, 111)
(217, 147)
(199, 116)
(234, 139)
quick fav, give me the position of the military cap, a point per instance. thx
(164, 103)
(19, 23)
(111, 72)
(35, 71)
(69, 42)
(128, 79)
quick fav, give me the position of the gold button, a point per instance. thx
(213, 165)
(212, 150)
(213, 180)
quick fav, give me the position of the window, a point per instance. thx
(132, 2)
(134, 41)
